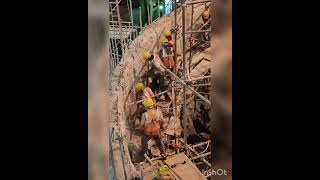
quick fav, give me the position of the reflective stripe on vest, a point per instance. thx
(152, 125)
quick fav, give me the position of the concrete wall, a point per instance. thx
(123, 84)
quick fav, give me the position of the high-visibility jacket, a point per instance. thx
(151, 122)
(166, 51)
(166, 55)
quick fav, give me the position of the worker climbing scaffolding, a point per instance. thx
(166, 53)
(157, 72)
(206, 24)
(142, 93)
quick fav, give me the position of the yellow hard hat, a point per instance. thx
(147, 54)
(161, 171)
(148, 102)
(163, 168)
(139, 86)
(167, 33)
(205, 14)
(164, 40)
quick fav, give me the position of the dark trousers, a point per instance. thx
(146, 138)
(158, 85)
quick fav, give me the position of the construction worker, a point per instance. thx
(166, 53)
(151, 122)
(158, 72)
(206, 18)
(144, 92)
(167, 35)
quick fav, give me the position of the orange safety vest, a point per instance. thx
(167, 56)
(168, 61)
(152, 124)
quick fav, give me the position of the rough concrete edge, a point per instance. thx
(120, 89)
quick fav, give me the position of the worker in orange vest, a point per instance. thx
(170, 42)
(166, 53)
(151, 122)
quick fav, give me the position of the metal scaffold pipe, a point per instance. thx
(140, 101)
(196, 2)
(131, 15)
(199, 156)
(175, 36)
(184, 73)
(140, 19)
(151, 11)
(148, 13)
(188, 87)
(190, 52)
(158, 9)
(199, 78)
(201, 31)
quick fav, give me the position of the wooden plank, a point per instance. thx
(187, 171)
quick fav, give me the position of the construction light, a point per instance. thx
(161, 7)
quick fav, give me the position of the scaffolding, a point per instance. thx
(121, 33)
(184, 53)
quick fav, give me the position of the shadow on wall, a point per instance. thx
(221, 44)
(97, 107)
